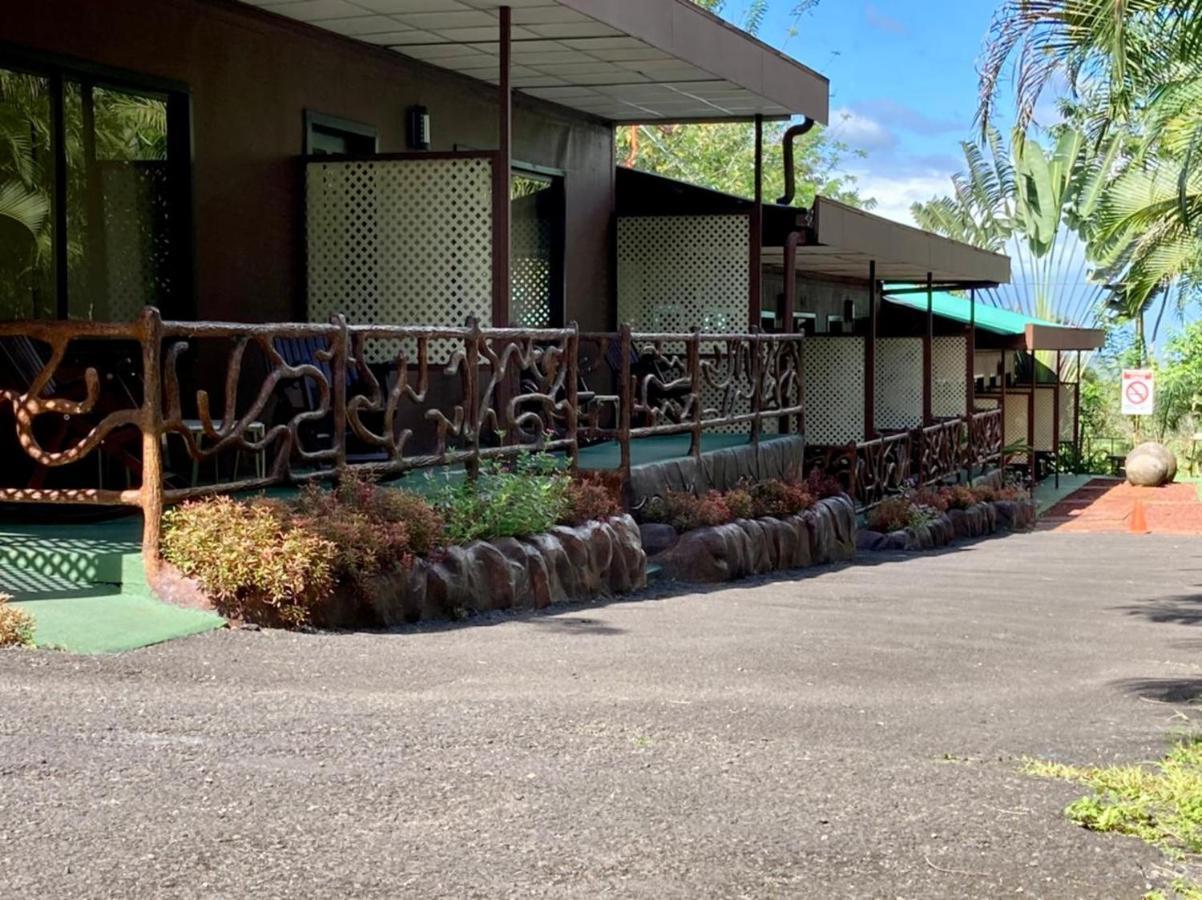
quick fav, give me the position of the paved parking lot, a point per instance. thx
(853, 732)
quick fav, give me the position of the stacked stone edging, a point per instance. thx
(823, 534)
(978, 520)
(567, 563)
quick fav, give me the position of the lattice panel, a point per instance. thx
(400, 242)
(948, 376)
(531, 273)
(680, 273)
(1016, 423)
(834, 390)
(898, 383)
(1067, 401)
(1045, 403)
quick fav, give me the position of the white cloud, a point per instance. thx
(860, 131)
(895, 193)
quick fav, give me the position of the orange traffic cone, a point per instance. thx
(1139, 522)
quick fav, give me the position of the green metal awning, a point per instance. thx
(1040, 333)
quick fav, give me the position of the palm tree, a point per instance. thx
(1134, 68)
(1037, 205)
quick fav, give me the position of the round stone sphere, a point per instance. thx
(1151, 465)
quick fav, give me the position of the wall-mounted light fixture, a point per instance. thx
(417, 132)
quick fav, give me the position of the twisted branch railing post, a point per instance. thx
(339, 374)
(151, 493)
(572, 390)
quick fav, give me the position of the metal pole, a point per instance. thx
(755, 255)
(927, 339)
(870, 358)
(502, 168)
(970, 354)
(1056, 419)
(1077, 412)
(1031, 421)
(1001, 367)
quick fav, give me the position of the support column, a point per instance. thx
(1031, 421)
(1056, 420)
(927, 339)
(870, 358)
(970, 342)
(1001, 367)
(502, 169)
(756, 250)
(1077, 412)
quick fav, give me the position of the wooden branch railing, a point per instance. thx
(366, 390)
(872, 470)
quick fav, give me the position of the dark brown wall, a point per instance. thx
(251, 76)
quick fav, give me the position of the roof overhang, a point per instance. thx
(1014, 330)
(620, 60)
(842, 241)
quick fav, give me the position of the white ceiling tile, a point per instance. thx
(411, 6)
(360, 25)
(315, 10)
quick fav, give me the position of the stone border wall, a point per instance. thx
(597, 559)
(979, 520)
(826, 533)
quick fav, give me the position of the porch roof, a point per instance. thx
(843, 240)
(621, 60)
(1039, 334)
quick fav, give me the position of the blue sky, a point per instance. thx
(903, 84)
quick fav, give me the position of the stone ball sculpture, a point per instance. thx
(1151, 465)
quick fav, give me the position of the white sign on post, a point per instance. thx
(1139, 391)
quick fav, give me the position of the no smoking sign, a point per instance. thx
(1139, 392)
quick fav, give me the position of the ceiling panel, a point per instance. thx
(641, 69)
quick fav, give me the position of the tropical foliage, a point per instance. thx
(1039, 205)
(1133, 71)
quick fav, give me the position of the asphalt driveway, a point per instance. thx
(854, 732)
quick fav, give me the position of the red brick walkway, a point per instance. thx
(1106, 504)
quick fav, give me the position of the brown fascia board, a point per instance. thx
(839, 225)
(1052, 337)
(690, 33)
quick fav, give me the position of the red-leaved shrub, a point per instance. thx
(592, 496)
(821, 486)
(891, 514)
(780, 498)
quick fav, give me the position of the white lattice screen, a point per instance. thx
(400, 242)
(1016, 422)
(680, 273)
(898, 383)
(1045, 402)
(834, 390)
(949, 376)
(1067, 400)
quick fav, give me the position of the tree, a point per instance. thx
(1039, 205)
(1133, 68)
(721, 156)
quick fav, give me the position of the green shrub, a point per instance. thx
(16, 625)
(251, 559)
(527, 497)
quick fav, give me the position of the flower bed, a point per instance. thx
(750, 530)
(363, 555)
(935, 517)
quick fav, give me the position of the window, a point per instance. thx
(537, 276)
(95, 206)
(834, 324)
(331, 136)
